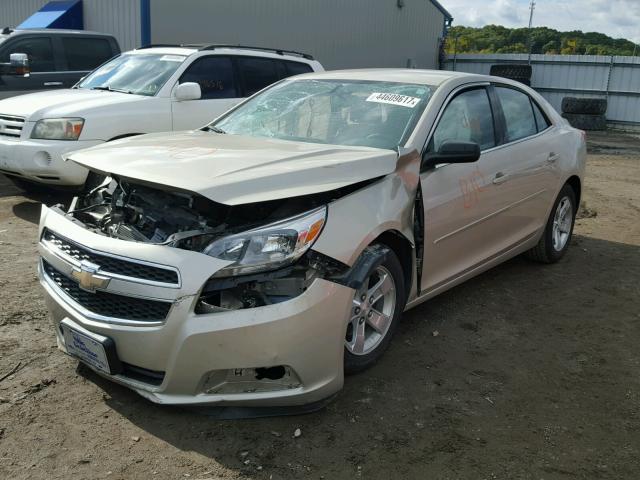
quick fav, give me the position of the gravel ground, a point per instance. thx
(526, 372)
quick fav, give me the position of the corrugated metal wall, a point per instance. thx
(120, 18)
(339, 33)
(559, 76)
(14, 12)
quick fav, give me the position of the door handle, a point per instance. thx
(553, 157)
(52, 84)
(500, 178)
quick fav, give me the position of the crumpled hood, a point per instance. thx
(235, 169)
(63, 103)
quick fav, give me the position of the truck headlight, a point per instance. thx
(270, 247)
(58, 129)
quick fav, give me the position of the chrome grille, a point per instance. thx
(11, 126)
(110, 264)
(108, 304)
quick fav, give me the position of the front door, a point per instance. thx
(220, 92)
(463, 202)
(40, 51)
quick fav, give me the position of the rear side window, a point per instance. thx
(297, 68)
(467, 118)
(84, 54)
(541, 120)
(214, 75)
(39, 50)
(518, 113)
(257, 73)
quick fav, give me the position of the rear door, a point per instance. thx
(81, 55)
(43, 60)
(220, 91)
(529, 167)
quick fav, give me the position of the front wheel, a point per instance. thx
(377, 306)
(555, 240)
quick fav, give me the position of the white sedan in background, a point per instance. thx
(143, 91)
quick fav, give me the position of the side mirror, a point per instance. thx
(452, 152)
(188, 91)
(19, 64)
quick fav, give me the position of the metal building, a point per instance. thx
(339, 33)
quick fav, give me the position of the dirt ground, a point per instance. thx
(526, 372)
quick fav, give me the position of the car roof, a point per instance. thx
(399, 75)
(57, 31)
(224, 49)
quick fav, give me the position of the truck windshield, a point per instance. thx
(339, 112)
(137, 74)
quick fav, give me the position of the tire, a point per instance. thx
(547, 251)
(519, 72)
(586, 122)
(584, 106)
(357, 362)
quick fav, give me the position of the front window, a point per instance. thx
(140, 74)
(338, 112)
(38, 49)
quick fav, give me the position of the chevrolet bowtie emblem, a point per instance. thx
(88, 278)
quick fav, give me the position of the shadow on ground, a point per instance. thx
(522, 372)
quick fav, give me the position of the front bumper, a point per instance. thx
(305, 333)
(41, 160)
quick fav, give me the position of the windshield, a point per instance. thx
(138, 74)
(338, 112)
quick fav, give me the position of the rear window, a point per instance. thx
(297, 68)
(257, 73)
(541, 119)
(85, 54)
(518, 113)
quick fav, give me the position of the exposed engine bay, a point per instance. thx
(132, 211)
(122, 209)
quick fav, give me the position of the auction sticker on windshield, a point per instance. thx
(86, 348)
(393, 99)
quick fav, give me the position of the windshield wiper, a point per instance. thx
(211, 128)
(111, 89)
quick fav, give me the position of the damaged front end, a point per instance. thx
(267, 244)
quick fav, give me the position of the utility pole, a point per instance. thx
(532, 7)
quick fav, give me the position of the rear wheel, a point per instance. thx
(557, 234)
(377, 306)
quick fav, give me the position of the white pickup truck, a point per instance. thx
(151, 89)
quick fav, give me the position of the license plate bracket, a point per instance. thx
(95, 350)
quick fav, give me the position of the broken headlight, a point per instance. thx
(269, 247)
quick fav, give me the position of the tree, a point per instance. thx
(499, 39)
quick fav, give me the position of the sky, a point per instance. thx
(616, 18)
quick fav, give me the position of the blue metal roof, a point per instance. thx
(66, 14)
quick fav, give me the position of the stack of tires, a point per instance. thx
(585, 113)
(515, 71)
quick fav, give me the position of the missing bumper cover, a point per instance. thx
(250, 291)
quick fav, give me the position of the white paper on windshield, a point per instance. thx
(172, 58)
(393, 99)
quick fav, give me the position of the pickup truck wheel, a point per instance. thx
(377, 306)
(555, 240)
